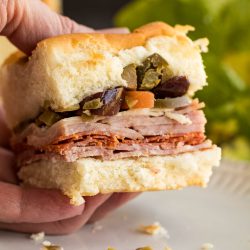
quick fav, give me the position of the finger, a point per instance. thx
(4, 131)
(115, 201)
(74, 224)
(59, 227)
(36, 19)
(19, 204)
(122, 30)
(7, 162)
(69, 26)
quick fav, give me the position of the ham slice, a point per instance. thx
(70, 128)
(123, 151)
(132, 127)
(133, 133)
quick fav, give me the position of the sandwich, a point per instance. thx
(101, 113)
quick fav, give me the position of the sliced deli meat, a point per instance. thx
(132, 133)
(77, 152)
(129, 124)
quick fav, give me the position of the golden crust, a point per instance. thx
(16, 57)
(119, 41)
(112, 42)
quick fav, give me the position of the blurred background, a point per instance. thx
(225, 22)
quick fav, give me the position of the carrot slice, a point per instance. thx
(138, 99)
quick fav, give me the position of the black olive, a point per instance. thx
(110, 99)
(174, 87)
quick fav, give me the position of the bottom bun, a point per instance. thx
(89, 176)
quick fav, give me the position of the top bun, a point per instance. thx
(63, 70)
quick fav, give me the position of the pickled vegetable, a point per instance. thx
(87, 118)
(111, 101)
(48, 117)
(174, 87)
(150, 80)
(140, 71)
(156, 60)
(153, 70)
(93, 104)
(166, 74)
(86, 113)
(129, 74)
(68, 109)
(130, 102)
(138, 99)
(172, 103)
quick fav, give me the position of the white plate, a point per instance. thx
(219, 215)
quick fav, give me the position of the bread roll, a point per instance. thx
(65, 69)
(88, 176)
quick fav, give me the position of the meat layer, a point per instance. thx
(132, 133)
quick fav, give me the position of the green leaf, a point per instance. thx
(237, 149)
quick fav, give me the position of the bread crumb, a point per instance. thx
(207, 246)
(202, 44)
(38, 237)
(153, 229)
(47, 245)
(77, 200)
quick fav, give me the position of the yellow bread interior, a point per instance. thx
(89, 176)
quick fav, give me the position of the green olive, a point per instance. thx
(150, 80)
(68, 109)
(129, 74)
(93, 104)
(48, 117)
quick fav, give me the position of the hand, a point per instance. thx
(34, 210)
(23, 209)
(26, 22)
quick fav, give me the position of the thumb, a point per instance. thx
(4, 131)
(25, 23)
